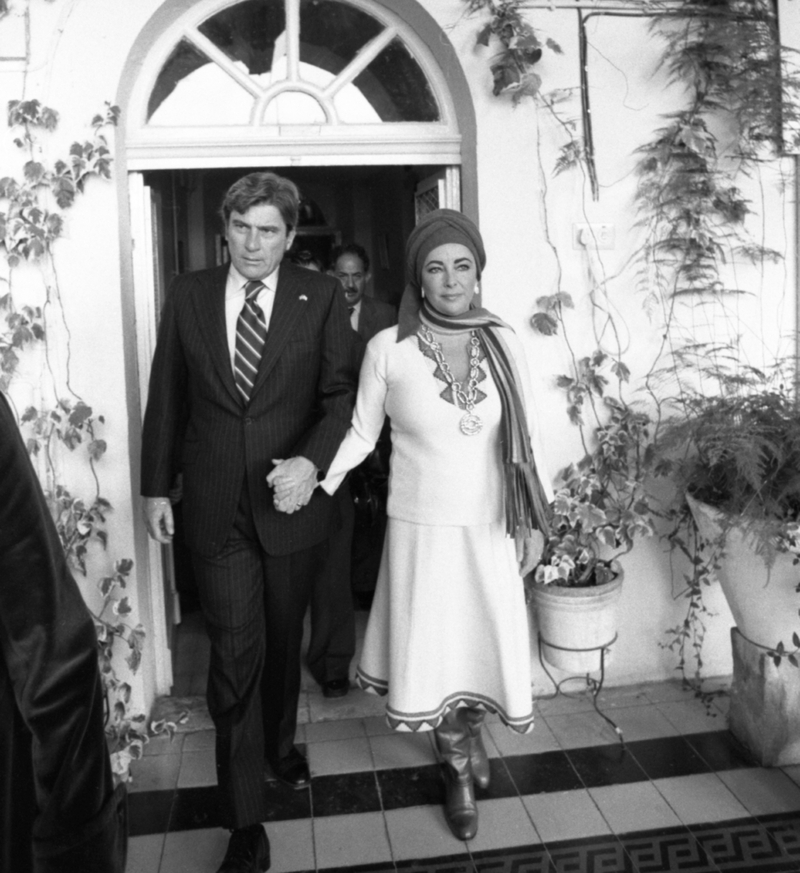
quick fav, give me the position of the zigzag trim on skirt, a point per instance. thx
(426, 721)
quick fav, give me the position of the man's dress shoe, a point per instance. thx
(335, 687)
(292, 769)
(248, 851)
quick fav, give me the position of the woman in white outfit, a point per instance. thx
(447, 637)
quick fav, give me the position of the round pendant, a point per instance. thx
(471, 424)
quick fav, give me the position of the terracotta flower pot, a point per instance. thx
(763, 600)
(574, 619)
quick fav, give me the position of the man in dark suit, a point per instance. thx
(59, 812)
(368, 316)
(332, 642)
(252, 377)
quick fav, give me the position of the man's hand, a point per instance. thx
(294, 481)
(158, 518)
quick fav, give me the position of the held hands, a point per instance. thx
(157, 513)
(294, 481)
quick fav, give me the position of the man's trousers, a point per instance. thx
(253, 604)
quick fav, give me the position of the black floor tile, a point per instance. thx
(284, 803)
(605, 765)
(444, 864)
(149, 811)
(195, 808)
(411, 786)
(500, 785)
(362, 868)
(548, 771)
(667, 756)
(345, 794)
(720, 750)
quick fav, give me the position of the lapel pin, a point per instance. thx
(303, 297)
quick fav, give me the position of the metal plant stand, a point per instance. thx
(593, 685)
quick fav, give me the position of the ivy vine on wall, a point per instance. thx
(741, 106)
(32, 219)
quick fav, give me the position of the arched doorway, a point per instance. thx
(362, 102)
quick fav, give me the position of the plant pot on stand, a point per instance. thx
(576, 628)
(576, 624)
(765, 695)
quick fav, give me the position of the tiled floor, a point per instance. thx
(679, 795)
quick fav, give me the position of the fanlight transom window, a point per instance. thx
(291, 62)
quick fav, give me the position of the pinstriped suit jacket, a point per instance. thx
(197, 424)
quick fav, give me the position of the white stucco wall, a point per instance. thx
(78, 51)
(517, 187)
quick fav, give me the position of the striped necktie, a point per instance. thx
(251, 334)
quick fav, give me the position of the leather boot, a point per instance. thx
(460, 809)
(478, 758)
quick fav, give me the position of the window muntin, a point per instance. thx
(303, 62)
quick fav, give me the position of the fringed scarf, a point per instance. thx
(526, 505)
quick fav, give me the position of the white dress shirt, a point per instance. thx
(234, 301)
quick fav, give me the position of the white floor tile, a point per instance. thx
(291, 845)
(642, 722)
(421, 832)
(341, 729)
(349, 840)
(199, 740)
(633, 807)
(144, 854)
(565, 815)
(340, 756)
(198, 769)
(763, 791)
(198, 851)
(701, 798)
(580, 729)
(403, 750)
(692, 717)
(509, 742)
(502, 824)
(155, 773)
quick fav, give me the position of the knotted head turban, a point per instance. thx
(436, 229)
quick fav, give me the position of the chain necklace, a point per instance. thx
(470, 423)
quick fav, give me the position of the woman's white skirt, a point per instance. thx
(448, 626)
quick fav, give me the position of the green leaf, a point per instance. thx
(544, 324)
(124, 566)
(34, 171)
(96, 449)
(621, 371)
(485, 35)
(122, 607)
(80, 414)
(107, 585)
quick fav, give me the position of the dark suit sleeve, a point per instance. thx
(56, 800)
(165, 414)
(336, 386)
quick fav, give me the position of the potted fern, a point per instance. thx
(734, 454)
